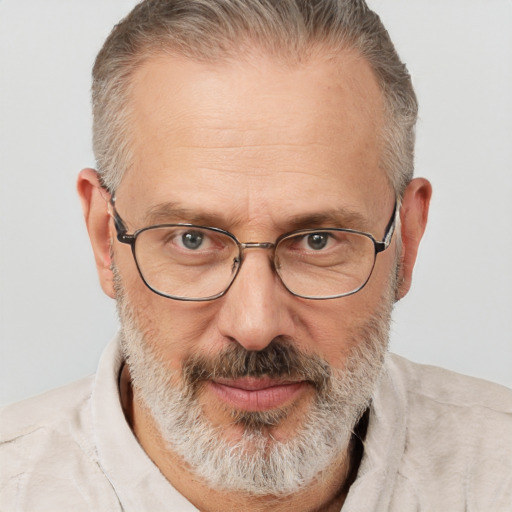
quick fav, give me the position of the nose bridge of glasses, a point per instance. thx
(260, 245)
(274, 264)
(257, 245)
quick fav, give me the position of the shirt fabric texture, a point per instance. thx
(436, 441)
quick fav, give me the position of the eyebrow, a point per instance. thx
(337, 218)
(173, 212)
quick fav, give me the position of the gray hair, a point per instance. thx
(212, 30)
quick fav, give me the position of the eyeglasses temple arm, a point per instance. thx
(119, 224)
(390, 229)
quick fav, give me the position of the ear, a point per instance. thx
(94, 199)
(413, 219)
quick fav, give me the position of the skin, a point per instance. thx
(251, 146)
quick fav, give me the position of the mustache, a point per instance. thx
(279, 359)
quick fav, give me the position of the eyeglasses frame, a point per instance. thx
(130, 239)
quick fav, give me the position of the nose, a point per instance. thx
(257, 308)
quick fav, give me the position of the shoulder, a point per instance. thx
(449, 388)
(48, 452)
(458, 436)
(458, 410)
(51, 410)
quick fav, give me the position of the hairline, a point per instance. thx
(246, 51)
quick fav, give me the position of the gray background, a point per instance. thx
(55, 320)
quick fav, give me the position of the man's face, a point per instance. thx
(257, 149)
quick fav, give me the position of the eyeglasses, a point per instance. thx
(199, 263)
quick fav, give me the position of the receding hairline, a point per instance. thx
(253, 56)
(215, 30)
(338, 60)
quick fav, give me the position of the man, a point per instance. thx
(255, 217)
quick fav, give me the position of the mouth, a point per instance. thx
(257, 394)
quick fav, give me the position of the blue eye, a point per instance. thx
(317, 241)
(192, 239)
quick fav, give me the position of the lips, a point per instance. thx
(256, 394)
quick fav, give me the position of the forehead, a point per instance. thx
(248, 135)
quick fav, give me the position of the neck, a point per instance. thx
(325, 494)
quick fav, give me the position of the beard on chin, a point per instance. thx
(255, 462)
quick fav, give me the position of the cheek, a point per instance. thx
(170, 327)
(331, 329)
(174, 330)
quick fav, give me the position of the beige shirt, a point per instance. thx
(436, 441)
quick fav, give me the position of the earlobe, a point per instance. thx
(94, 200)
(413, 219)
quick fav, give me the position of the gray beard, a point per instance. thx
(257, 463)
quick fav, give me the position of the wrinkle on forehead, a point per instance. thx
(203, 101)
(256, 142)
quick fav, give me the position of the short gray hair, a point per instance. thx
(212, 30)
